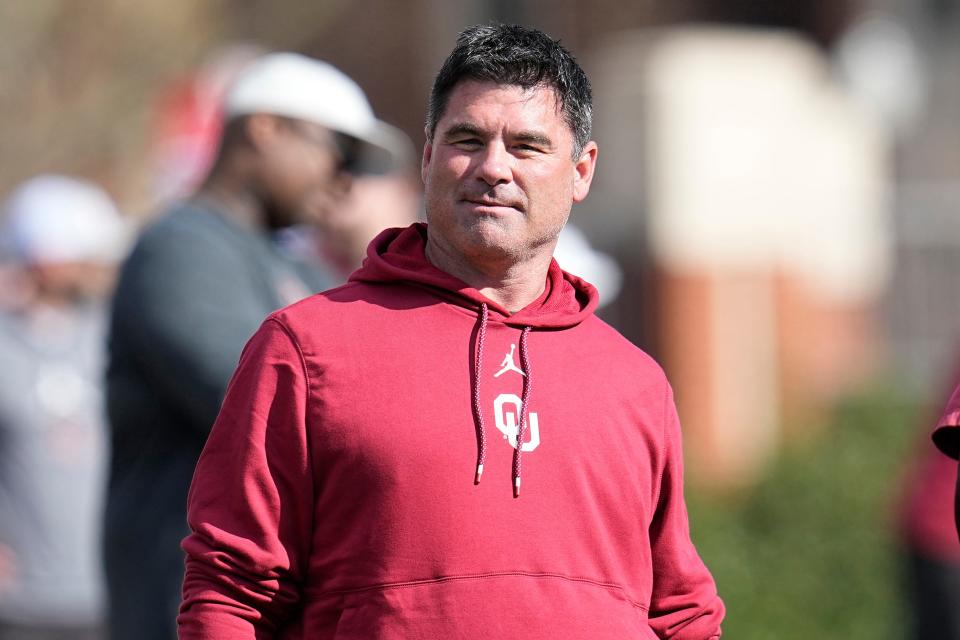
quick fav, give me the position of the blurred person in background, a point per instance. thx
(64, 238)
(339, 494)
(929, 534)
(185, 138)
(575, 255)
(187, 121)
(374, 203)
(947, 439)
(196, 286)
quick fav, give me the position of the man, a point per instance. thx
(197, 285)
(364, 476)
(65, 238)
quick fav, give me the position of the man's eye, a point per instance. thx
(467, 143)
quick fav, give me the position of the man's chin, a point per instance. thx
(492, 239)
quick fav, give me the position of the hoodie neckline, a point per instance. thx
(399, 255)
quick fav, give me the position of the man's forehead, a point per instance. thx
(470, 98)
(471, 90)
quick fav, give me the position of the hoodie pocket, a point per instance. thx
(503, 606)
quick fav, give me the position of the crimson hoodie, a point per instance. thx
(337, 496)
(947, 434)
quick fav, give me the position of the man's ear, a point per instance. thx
(583, 170)
(261, 130)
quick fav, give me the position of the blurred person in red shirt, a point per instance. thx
(947, 439)
(929, 525)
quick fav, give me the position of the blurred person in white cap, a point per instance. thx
(375, 203)
(575, 255)
(197, 285)
(63, 238)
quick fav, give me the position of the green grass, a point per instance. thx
(810, 552)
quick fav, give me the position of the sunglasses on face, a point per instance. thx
(345, 148)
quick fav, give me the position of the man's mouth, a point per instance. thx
(485, 202)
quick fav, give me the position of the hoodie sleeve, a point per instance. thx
(250, 504)
(684, 604)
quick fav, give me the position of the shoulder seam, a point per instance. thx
(296, 344)
(306, 408)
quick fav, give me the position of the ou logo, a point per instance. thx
(507, 411)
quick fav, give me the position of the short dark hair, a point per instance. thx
(515, 55)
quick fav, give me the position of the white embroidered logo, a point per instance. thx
(508, 364)
(507, 419)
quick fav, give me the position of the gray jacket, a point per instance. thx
(195, 288)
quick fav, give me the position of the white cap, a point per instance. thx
(295, 86)
(575, 255)
(56, 219)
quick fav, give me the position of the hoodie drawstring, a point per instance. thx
(478, 413)
(527, 384)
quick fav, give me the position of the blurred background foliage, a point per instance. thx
(811, 552)
(81, 76)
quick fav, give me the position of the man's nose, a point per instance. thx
(496, 165)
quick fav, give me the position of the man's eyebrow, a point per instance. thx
(463, 129)
(536, 138)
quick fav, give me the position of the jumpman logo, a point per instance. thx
(508, 364)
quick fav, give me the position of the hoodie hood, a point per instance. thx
(398, 255)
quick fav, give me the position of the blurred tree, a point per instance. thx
(810, 552)
(76, 81)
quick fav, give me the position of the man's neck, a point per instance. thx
(509, 283)
(235, 200)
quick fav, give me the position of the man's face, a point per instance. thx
(499, 174)
(303, 173)
(71, 282)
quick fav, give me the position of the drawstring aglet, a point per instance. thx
(476, 478)
(516, 487)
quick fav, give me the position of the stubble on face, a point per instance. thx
(498, 175)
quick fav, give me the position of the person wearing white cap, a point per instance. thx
(197, 285)
(63, 238)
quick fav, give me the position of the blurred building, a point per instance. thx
(758, 191)
(923, 305)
